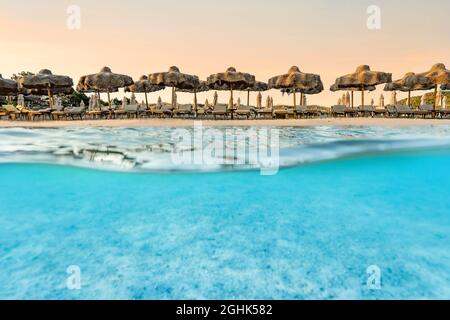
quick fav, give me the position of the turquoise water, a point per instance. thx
(308, 232)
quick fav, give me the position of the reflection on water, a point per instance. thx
(152, 149)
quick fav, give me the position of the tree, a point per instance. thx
(17, 76)
(77, 97)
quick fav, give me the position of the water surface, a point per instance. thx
(309, 232)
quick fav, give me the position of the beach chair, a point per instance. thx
(11, 112)
(281, 112)
(58, 113)
(405, 111)
(380, 112)
(132, 110)
(366, 111)
(443, 113)
(243, 111)
(302, 111)
(203, 111)
(129, 110)
(183, 110)
(41, 113)
(75, 112)
(23, 112)
(120, 112)
(338, 111)
(220, 110)
(164, 111)
(314, 111)
(265, 113)
(351, 112)
(425, 110)
(323, 111)
(391, 111)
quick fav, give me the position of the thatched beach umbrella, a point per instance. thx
(8, 87)
(106, 81)
(438, 99)
(45, 81)
(438, 75)
(174, 79)
(83, 87)
(297, 81)
(348, 96)
(231, 80)
(394, 98)
(381, 101)
(362, 78)
(410, 82)
(143, 86)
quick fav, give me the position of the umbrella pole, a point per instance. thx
(362, 96)
(409, 98)
(173, 97)
(232, 101)
(50, 103)
(295, 101)
(352, 100)
(195, 101)
(435, 98)
(146, 99)
(232, 98)
(109, 101)
(248, 98)
(301, 98)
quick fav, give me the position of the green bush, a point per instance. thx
(430, 98)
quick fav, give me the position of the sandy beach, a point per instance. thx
(139, 123)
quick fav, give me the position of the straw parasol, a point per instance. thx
(174, 79)
(394, 98)
(259, 101)
(231, 80)
(8, 87)
(143, 86)
(362, 78)
(381, 101)
(83, 87)
(438, 99)
(297, 81)
(438, 75)
(215, 98)
(45, 82)
(105, 81)
(410, 82)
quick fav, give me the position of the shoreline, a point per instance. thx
(176, 123)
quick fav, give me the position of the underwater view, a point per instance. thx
(110, 201)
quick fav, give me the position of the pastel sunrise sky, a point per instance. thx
(201, 37)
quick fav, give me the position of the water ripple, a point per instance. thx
(152, 149)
